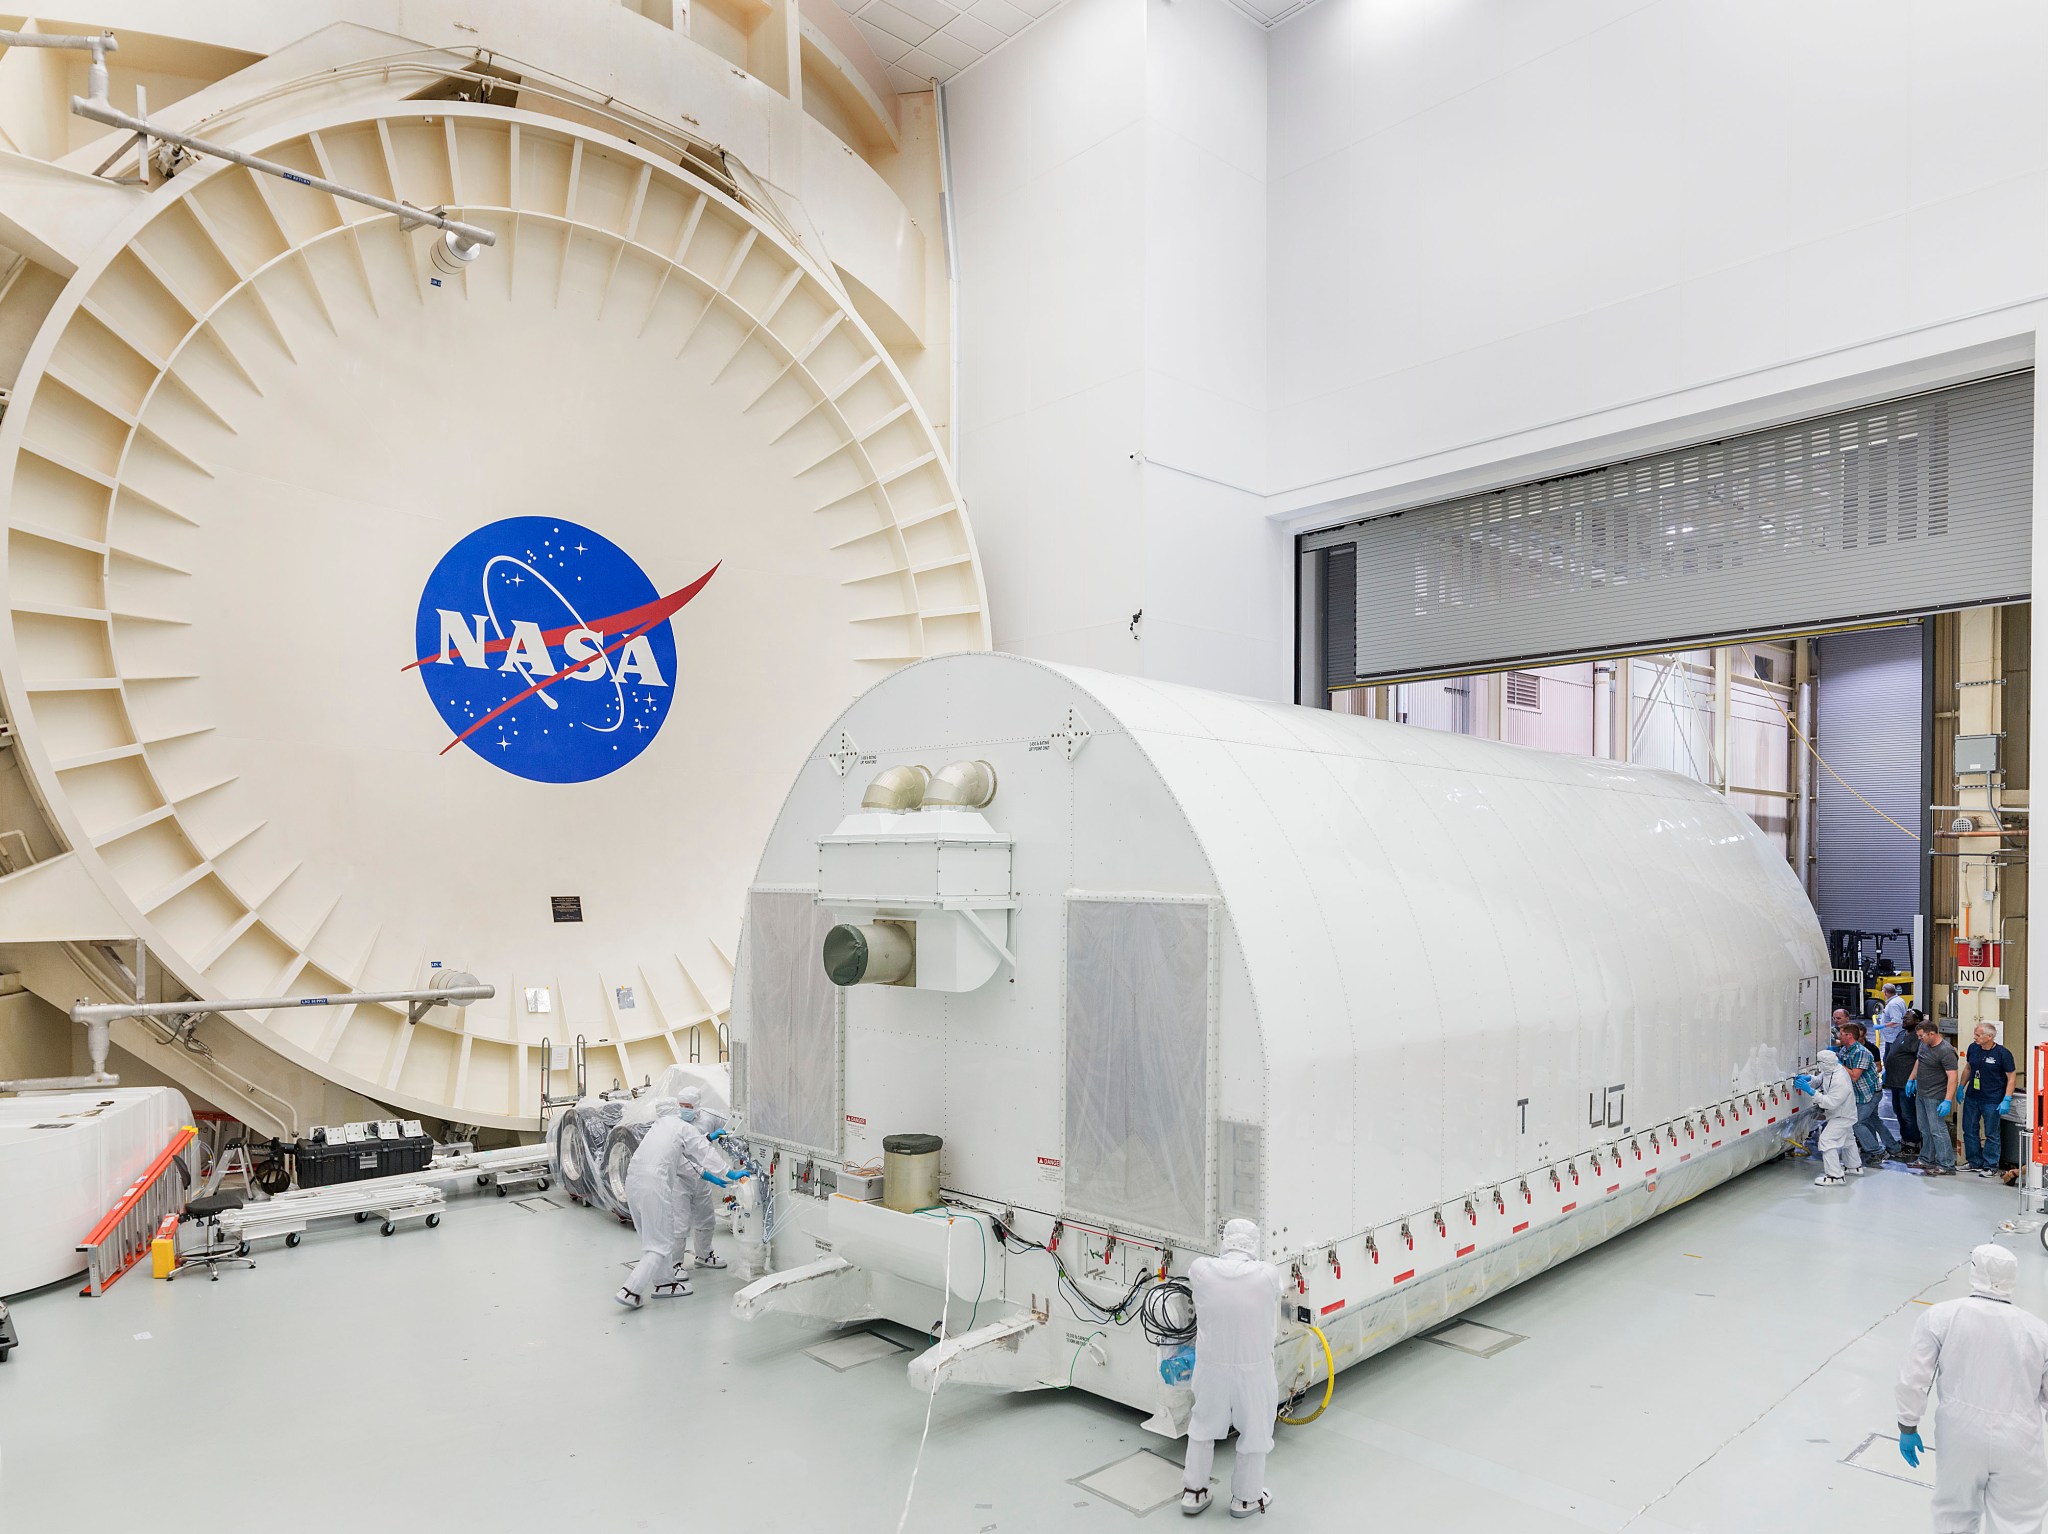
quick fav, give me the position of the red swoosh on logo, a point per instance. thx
(643, 618)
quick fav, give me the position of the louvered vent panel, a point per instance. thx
(1908, 506)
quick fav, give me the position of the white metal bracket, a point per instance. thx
(986, 1356)
(1072, 735)
(844, 755)
(994, 943)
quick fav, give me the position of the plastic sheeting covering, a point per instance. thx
(793, 1045)
(1137, 1149)
(591, 1143)
(576, 1151)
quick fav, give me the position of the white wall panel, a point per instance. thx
(1113, 277)
(1481, 221)
(1650, 196)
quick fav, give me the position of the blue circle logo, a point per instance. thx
(547, 650)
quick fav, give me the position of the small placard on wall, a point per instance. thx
(567, 907)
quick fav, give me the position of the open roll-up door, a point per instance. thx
(1910, 506)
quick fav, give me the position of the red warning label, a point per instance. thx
(855, 1119)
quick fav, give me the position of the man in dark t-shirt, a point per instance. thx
(1987, 1095)
(1933, 1089)
(1900, 1056)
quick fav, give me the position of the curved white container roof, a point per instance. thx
(1444, 962)
(1428, 920)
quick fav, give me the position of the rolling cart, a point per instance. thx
(291, 1215)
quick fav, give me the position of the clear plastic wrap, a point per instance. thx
(1137, 1148)
(793, 1045)
(591, 1145)
(576, 1145)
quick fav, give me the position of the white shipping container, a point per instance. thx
(1435, 1012)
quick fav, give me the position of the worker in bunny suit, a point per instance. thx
(1834, 1095)
(700, 1194)
(1988, 1360)
(673, 1160)
(1237, 1320)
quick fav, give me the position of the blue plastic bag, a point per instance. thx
(1177, 1367)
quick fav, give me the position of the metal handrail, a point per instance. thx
(122, 1239)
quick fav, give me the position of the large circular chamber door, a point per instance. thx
(372, 611)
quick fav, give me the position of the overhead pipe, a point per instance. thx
(99, 47)
(460, 989)
(463, 240)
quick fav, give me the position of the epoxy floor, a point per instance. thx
(1708, 1372)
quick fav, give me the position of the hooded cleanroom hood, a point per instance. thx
(1994, 1272)
(1827, 1059)
(1241, 1236)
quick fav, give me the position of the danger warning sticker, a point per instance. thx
(1049, 1168)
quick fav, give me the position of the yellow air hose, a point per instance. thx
(1329, 1383)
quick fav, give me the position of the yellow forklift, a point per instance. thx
(1864, 965)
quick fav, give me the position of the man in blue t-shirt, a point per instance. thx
(1873, 1134)
(1891, 1021)
(1987, 1096)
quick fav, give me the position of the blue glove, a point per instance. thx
(1910, 1086)
(1910, 1447)
(717, 1178)
(716, 1134)
(1944, 1109)
(2005, 1107)
(1804, 1082)
(740, 1176)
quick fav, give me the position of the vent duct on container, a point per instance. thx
(898, 789)
(870, 953)
(961, 786)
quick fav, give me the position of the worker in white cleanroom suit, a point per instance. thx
(1834, 1094)
(701, 1194)
(1237, 1319)
(672, 1157)
(708, 1122)
(1991, 1359)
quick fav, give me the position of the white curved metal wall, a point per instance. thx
(249, 428)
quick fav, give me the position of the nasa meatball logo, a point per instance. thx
(547, 650)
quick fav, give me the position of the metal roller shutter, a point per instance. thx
(1340, 615)
(1869, 731)
(1905, 507)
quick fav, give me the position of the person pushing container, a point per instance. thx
(1237, 1321)
(662, 1181)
